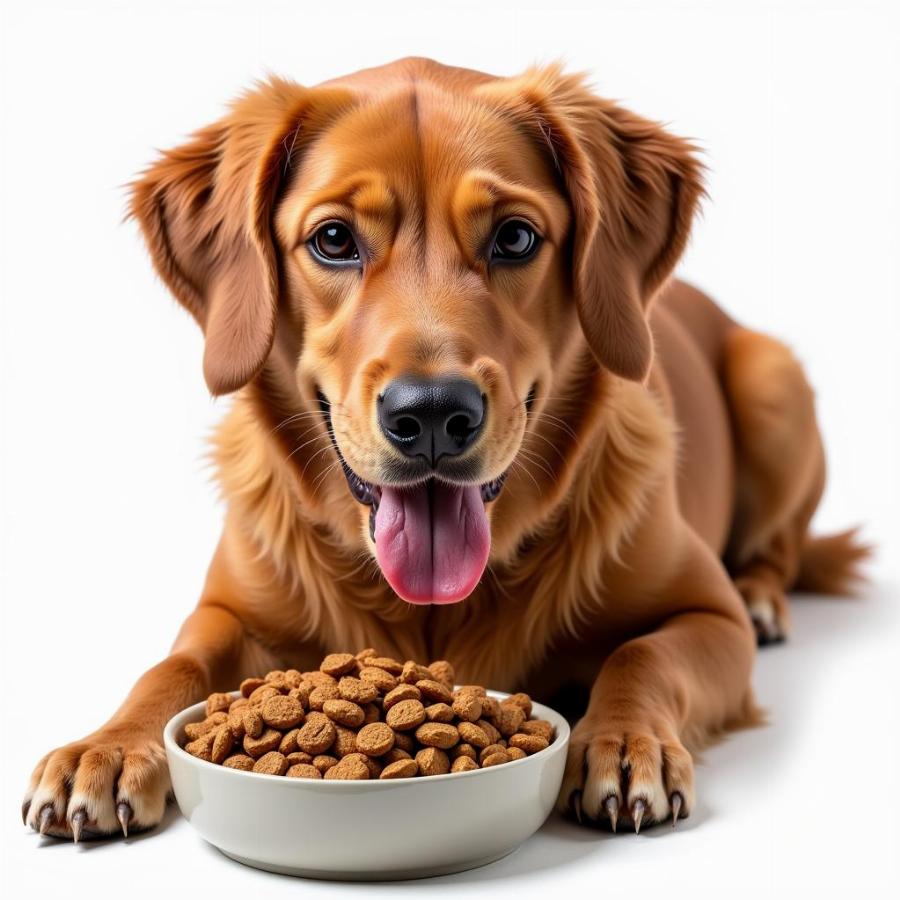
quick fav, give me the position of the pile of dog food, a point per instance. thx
(363, 716)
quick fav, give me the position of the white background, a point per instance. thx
(109, 517)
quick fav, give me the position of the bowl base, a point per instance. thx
(376, 875)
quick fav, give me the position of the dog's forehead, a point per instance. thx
(421, 136)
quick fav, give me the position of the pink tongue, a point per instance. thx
(432, 541)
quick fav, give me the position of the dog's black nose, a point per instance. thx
(431, 417)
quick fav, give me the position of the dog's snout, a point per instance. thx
(431, 417)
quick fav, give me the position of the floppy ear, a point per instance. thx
(633, 188)
(205, 212)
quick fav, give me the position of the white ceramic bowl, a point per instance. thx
(367, 830)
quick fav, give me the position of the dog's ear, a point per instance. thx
(205, 211)
(633, 189)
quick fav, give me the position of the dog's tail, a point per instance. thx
(832, 564)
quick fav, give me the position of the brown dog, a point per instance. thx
(461, 430)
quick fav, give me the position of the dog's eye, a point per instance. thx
(516, 240)
(334, 243)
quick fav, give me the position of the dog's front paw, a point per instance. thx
(112, 781)
(626, 774)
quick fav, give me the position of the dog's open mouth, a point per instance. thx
(432, 538)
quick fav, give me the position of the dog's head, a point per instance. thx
(421, 258)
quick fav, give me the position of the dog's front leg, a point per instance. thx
(657, 693)
(117, 776)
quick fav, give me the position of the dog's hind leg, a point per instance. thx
(780, 467)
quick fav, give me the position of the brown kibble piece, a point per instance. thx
(515, 753)
(442, 671)
(405, 742)
(473, 734)
(289, 741)
(336, 664)
(276, 679)
(530, 743)
(434, 690)
(344, 742)
(371, 714)
(356, 690)
(316, 735)
(319, 679)
(303, 770)
(258, 746)
(217, 703)
(432, 761)
(437, 734)
(324, 762)
(401, 768)
(239, 761)
(490, 707)
(297, 757)
(273, 763)
(406, 715)
(195, 730)
(301, 694)
(464, 750)
(375, 739)
(467, 706)
(202, 747)
(236, 722)
(221, 745)
(386, 663)
(401, 692)
(263, 692)
(383, 680)
(523, 701)
(320, 694)
(509, 720)
(540, 727)
(253, 722)
(495, 759)
(350, 768)
(485, 752)
(394, 754)
(344, 712)
(475, 689)
(282, 712)
(365, 654)
(439, 712)
(249, 685)
(494, 736)
(293, 678)
(463, 764)
(413, 672)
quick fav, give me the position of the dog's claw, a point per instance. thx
(611, 805)
(79, 817)
(676, 802)
(45, 818)
(25, 807)
(576, 805)
(124, 814)
(637, 815)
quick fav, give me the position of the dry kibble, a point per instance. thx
(273, 763)
(436, 734)
(375, 739)
(249, 685)
(319, 695)
(324, 762)
(495, 759)
(298, 757)
(267, 741)
(401, 692)
(432, 761)
(439, 712)
(413, 672)
(443, 672)
(222, 745)
(434, 690)
(282, 712)
(401, 768)
(364, 716)
(530, 743)
(303, 770)
(382, 679)
(467, 706)
(350, 768)
(316, 735)
(406, 715)
(336, 664)
(344, 712)
(217, 703)
(473, 734)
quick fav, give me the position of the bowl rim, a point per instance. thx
(180, 719)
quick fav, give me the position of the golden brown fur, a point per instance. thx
(664, 437)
